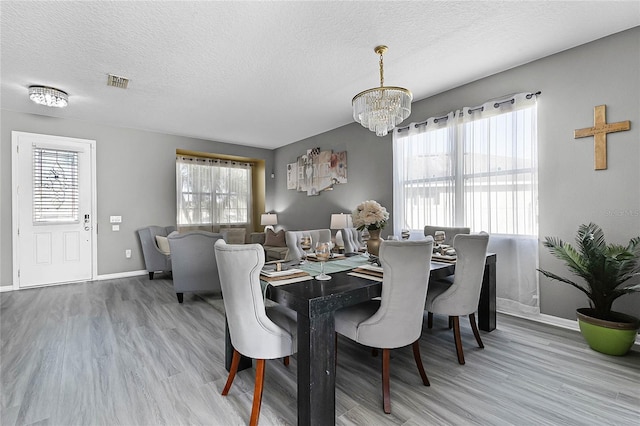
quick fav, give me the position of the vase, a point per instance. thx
(613, 337)
(373, 244)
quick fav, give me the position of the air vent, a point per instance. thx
(117, 81)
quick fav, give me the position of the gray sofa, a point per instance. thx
(270, 252)
(194, 262)
(155, 260)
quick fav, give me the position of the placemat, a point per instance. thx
(291, 280)
(366, 269)
(312, 257)
(366, 276)
(283, 276)
(443, 258)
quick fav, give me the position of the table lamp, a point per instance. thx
(340, 221)
(269, 219)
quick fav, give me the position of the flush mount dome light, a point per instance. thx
(48, 96)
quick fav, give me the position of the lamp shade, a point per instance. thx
(269, 219)
(340, 221)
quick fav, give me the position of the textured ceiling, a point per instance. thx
(267, 74)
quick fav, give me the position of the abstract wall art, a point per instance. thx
(317, 171)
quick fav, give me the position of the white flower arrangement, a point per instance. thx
(369, 214)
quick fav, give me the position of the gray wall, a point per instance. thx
(369, 177)
(135, 179)
(571, 192)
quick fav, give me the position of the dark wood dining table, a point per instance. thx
(315, 302)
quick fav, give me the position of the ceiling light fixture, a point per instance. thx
(48, 96)
(382, 108)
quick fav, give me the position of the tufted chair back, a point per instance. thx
(352, 240)
(449, 232)
(252, 333)
(398, 321)
(463, 295)
(294, 240)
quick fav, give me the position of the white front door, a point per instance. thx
(53, 209)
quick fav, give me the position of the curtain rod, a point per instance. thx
(480, 108)
(215, 160)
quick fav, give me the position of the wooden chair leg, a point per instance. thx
(232, 372)
(458, 340)
(418, 358)
(386, 393)
(429, 319)
(285, 361)
(451, 323)
(150, 275)
(180, 297)
(257, 393)
(474, 327)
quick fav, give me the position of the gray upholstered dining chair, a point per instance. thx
(155, 258)
(462, 296)
(449, 232)
(352, 240)
(395, 320)
(256, 331)
(193, 261)
(294, 241)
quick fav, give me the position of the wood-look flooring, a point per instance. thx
(124, 352)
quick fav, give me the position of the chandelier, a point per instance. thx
(48, 96)
(382, 108)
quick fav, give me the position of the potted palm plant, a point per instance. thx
(608, 271)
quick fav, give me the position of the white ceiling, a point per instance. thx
(267, 74)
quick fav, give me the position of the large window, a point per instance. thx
(472, 169)
(213, 192)
(477, 167)
(500, 174)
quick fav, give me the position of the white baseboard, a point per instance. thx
(121, 275)
(98, 278)
(554, 321)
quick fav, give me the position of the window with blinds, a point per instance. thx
(56, 195)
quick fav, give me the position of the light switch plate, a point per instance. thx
(115, 219)
(115, 227)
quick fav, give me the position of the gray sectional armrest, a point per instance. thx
(154, 259)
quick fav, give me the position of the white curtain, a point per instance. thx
(477, 167)
(213, 192)
(428, 156)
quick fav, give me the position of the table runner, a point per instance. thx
(313, 269)
(333, 266)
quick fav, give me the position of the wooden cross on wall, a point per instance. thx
(599, 131)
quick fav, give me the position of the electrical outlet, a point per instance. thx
(127, 254)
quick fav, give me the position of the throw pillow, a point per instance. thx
(274, 239)
(163, 244)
